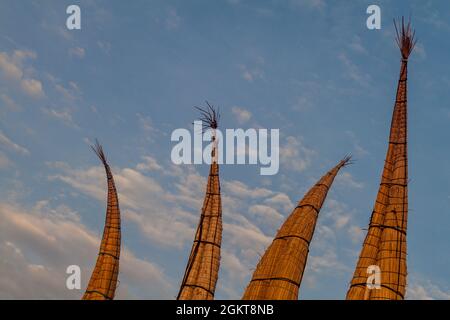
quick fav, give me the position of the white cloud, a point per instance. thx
(11, 145)
(32, 87)
(234, 271)
(294, 155)
(327, 258)
(12, 64)
(147, 126)
(282, 201)
(327, 262)
(13, 68)
(423, 289)
(248, 237)
(242, 115)
(419, 49)
(149, 164)
(337, 216)
(77, 52)
(353, 72)
(70, 93)
(356, 234)
(418, 292)
(20, 55)
(241, 190)
(37, 244)
(266, 214)
(10, 67)
(356, 45)
(346, 179)
(251, 74)
(324, 257)
(104, 46)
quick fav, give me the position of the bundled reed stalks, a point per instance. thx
(200, 277)
(279, 273)
(103, 282)
(385, 242)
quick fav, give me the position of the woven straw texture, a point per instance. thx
(385, 242)
(103, 282)
(279, 273)
(199, 281)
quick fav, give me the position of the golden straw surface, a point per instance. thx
(279, 273)
(103, 282)
(385, 242)
(199, 281)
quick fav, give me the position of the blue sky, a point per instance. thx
(132, 75)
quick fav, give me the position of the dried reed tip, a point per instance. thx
(209, 116)
(405, 37)
(98, 149)
(346, 161)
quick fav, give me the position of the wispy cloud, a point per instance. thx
(281, 201)
(242, 115)
(149, 164)
(265, 214)
(346, 179)
(12, 145)
(240, 189)
(356, 234)
(302, 104)
(12, 67)
(357, 46)
(352, 71)
(32, 87)
(420, 288)
(69, 92)
(419, 49)
(148, 127)
(251, 74)
(77, 52)
(313, 4)
(9, 103)
(142, 201)
(38, 244)
(62, 115)
(105, 46)
(295, 155)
